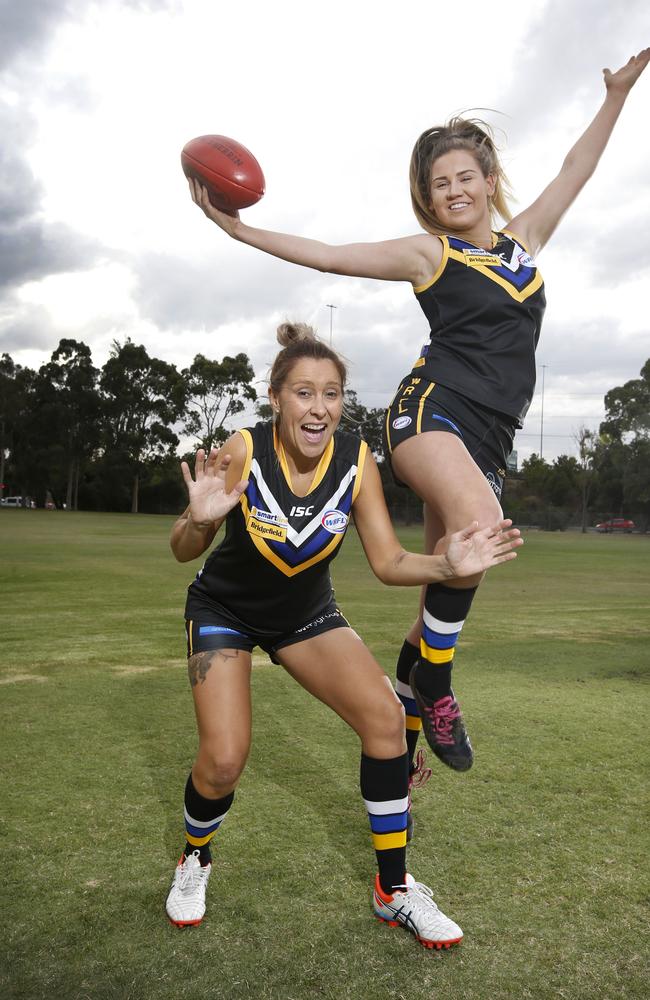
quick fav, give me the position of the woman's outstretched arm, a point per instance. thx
(471, 551)
(536, 224)
(411, 258)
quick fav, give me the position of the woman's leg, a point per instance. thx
(220, 682)
(340, 671)
(438, 467)
(410, 651)
(409, 655)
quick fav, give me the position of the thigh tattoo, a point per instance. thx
(199, 663)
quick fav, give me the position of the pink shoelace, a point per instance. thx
(420, 774)
(442, 714)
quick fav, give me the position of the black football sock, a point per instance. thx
(445, 611)
(384, 786)
(203, 817)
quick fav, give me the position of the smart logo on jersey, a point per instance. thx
(526, 260)
(400, 422)
(266, 525)
(476, 257)
(334, 521)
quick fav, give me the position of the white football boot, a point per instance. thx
(186, 900)
(412, 906)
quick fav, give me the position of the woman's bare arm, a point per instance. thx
(536, 224)
(214, 491)
(411, 258)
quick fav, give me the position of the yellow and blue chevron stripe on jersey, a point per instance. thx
(314, 542)
(388, 822)
(508, 263)
(294, 550)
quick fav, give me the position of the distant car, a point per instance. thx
(616, 524)
(18, 502)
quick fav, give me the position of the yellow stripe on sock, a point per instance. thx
(436, 655)
(198, 841)
(384, 841)
(414, 722)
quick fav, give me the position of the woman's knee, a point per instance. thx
(220, 770)
(385, 725)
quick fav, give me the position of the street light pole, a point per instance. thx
(331, 309)
(541, 426)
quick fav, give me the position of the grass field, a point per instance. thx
(540, 852)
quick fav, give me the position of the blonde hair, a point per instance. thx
(298, 341)
(477, 138)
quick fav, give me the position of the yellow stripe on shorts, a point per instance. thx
(421, 406)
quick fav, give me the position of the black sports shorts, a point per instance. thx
(216, 630)
(420, 405)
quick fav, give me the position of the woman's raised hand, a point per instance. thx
(200, 197)
(472, 550)
(624, 78)
(209, 501)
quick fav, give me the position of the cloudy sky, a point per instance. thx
(99, 240)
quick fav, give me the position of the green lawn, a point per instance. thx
(540, 852)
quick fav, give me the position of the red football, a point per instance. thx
(230, 172)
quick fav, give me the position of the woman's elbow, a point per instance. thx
(177, 552)
(387, 570)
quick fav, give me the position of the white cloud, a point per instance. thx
(102, 240)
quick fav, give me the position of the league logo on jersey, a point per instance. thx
(334, 521)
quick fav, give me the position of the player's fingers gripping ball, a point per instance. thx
(229, 171)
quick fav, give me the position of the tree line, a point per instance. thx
(107, 439)
(610, 477)
(76, 436)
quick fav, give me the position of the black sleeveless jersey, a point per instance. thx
(271, 571)
(485, 309)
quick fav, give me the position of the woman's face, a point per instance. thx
(310, 404)
(459, 191)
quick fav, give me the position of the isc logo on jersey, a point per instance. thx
(301, 511)
(334, 521)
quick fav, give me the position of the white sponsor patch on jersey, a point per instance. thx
(263, 515)
(476, 257)
(400, 422)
